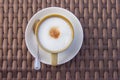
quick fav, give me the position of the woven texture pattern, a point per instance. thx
(98, 59)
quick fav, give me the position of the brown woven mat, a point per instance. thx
(98, 59)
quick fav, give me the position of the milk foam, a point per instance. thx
(52, 44)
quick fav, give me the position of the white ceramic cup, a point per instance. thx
(57, 37)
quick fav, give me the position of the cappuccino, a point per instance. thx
(54, 33)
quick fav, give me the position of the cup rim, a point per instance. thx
(42, 20)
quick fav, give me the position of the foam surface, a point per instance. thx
(64, 39)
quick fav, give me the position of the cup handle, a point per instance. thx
(54, 58)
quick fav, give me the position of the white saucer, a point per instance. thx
(65, 56)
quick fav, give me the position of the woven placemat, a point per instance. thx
(98, 59)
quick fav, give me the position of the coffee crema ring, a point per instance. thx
(54, 32)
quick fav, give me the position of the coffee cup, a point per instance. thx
(54, 34)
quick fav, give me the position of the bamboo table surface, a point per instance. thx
(98, 59)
